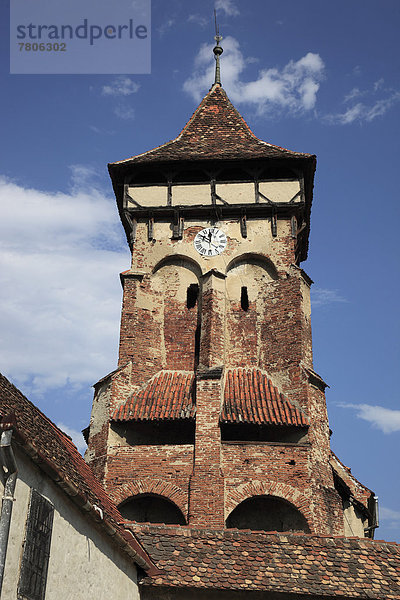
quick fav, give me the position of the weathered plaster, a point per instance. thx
(83, 562)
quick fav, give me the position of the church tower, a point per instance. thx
(215, 417)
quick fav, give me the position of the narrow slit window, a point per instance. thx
(197, 346)
(244, 299)
(192, 295)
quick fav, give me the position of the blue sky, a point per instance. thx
(312, 76)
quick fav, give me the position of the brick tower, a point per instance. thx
(214, 417)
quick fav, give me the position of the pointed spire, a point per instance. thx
(217, 52)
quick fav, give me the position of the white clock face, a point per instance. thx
(210, 241)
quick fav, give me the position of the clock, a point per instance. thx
(210, 241)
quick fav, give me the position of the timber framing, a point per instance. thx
(216, 172)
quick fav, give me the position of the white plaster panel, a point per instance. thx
(236, 193)
(279, 191)
(152, 195)
(353, 523)
(191, 195)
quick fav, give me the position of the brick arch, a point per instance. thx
(252, 258)
(179, 260)
(248, 490)
(149, 485)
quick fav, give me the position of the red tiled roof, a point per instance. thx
(215, 131)
(250, 397)
(57, 456)
(168, 395)
(308, 565)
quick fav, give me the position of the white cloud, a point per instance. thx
(120, 86)
(82, 176)
(59, 291)
(166, 26)
(123, 111)
(354, 93)
(75, 435)
(322, 297)
(385, 419)
(198, 20)
(363, 112)
(294, 87)
(101, 131)
(228, 7)
(378, 84)
(371, 107)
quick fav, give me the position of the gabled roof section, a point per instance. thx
(55, 454)
(359, 491)
(167, 396)
(250, 397)
(215, 131)
(281, 565)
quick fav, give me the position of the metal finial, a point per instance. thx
(217, 51)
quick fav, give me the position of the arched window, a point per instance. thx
(267, 513)
(150, 508)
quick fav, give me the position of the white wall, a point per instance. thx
(84, 563)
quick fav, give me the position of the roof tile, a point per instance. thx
(168, 395)
(250, 397)
(215, 131)
(286, 563)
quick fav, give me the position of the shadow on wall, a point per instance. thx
(150, 508)
(267, 513)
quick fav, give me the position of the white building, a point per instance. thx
(63, 538)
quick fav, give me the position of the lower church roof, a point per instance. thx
(270, 562)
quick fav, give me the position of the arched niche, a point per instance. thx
(175, 286)
(246, 262)
(267, 513)
(179, 261)
(249, 277)
(151, 508)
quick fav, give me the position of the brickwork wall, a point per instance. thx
(157, 327)
(212, 337)
(127, 464)
(96, 453)
(206, 501)
(281, 327)
(285, 471)
(140, 334)
(242, 349)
